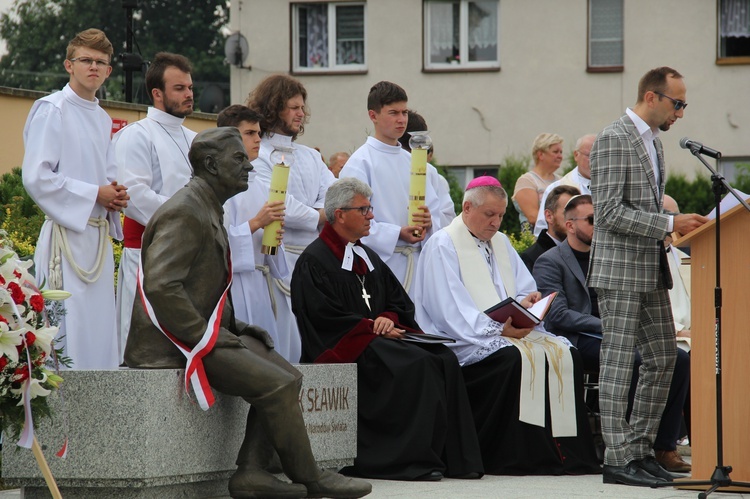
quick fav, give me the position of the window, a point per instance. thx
(605, 50)
(734, 32)
(328, 37)
(461, 34)
(736, 170)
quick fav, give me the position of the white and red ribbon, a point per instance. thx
(195, 373)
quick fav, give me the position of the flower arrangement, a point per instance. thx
(453, 59)
(27, 352)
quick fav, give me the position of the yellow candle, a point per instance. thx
(279, 181)
(418, 182)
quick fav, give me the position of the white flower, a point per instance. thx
(9, 340)
(44, 337)
(36, 389)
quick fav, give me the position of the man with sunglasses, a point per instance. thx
(630, 272)
(575, 315)
(69, 171)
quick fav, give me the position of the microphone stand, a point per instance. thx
(720, 476)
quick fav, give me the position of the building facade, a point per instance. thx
(488, 76)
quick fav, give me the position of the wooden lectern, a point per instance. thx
(735, 342)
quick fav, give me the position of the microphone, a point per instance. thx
(698, 148)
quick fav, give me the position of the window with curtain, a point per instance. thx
(328, 36)
(605, 48)
(461, 34)
(734, 31)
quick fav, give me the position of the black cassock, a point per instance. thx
(414, 415)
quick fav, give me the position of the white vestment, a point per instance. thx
(574, 178)
(254, 274)
(309, 179)
(387, 170)
(152, 161)
(447, 304)
(68, 157)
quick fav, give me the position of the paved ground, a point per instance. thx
(508, 487)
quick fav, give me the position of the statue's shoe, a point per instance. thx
(338, 486)
(256, 483)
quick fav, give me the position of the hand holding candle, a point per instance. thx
(282, 158)
(419, 142)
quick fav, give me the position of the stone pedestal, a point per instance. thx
(134, 434)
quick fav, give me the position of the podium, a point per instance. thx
(735, 341)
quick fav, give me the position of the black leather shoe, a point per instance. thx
(631, 474)
(433, 476)
(652, 466)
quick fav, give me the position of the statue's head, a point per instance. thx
(218, 156)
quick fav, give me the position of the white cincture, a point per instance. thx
(60, 248)
(408, 252)
(294, 250)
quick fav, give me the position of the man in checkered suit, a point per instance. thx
(631, 275)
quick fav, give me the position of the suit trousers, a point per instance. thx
(630, 320)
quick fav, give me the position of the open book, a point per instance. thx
(521, 316)
(426, 338)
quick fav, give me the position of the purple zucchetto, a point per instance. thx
(484, 181)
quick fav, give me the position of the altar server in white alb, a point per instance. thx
(69, 171)
(281, 100)
(245, 216)
(152, 161)
(382, 164)
(529, 419)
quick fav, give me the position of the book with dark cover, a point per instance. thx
(521, 317)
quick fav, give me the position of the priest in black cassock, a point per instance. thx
(414, 418)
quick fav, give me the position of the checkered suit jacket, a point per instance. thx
(628, 218)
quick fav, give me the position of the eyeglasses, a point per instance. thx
(88, 61)
(589, 219)
(364, 210)
(678, 104)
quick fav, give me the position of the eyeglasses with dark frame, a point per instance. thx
(678, 104)
(364, 210)
(589, 219)
(88, 61)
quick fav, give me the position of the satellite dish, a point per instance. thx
(211, 99)
(236, 49)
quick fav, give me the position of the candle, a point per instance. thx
(419, 142)
(277, 192)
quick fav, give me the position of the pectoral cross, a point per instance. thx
(366, 297)
(364, 292)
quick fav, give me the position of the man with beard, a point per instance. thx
(575, 315)
(152, 161)
(630, 271)
(555, 234)
(281, 101)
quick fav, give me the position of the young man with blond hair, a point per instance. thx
(69, 171)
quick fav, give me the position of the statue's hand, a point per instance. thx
(259, 334)
(228, 340)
